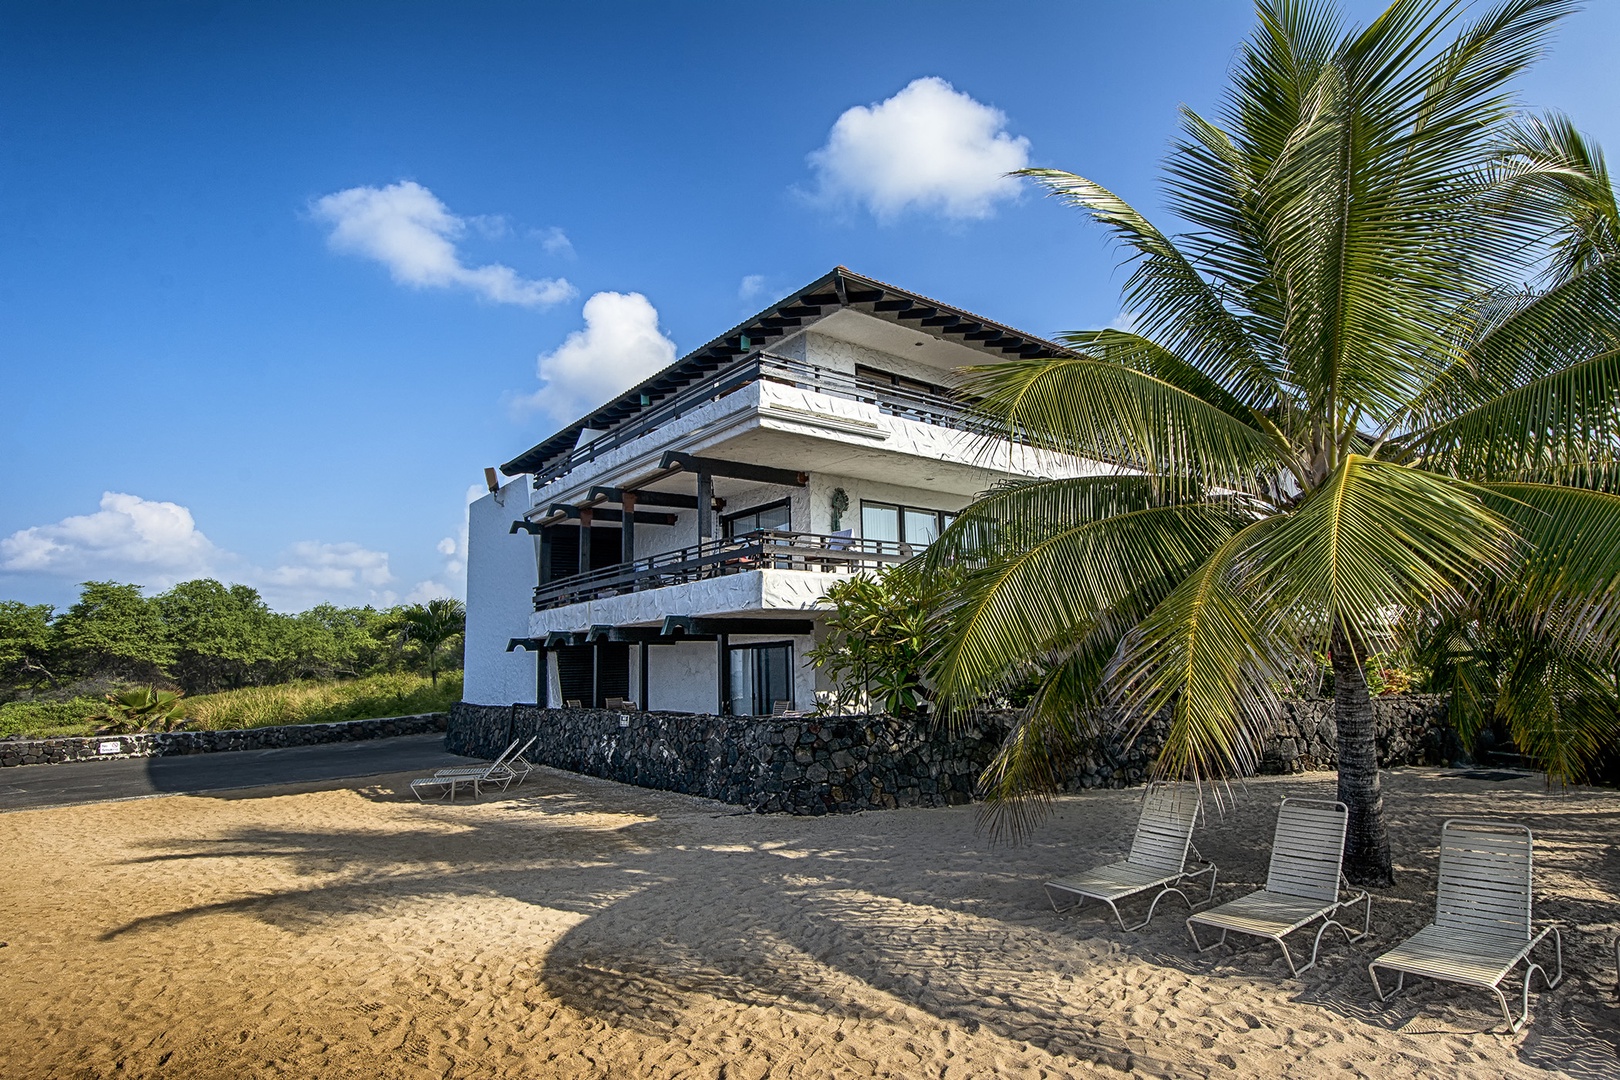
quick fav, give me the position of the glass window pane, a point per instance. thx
(879, 522)
(775, 677)
(922, 527)
(775, 517)
(742, 681)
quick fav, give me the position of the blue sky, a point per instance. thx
(276, 280)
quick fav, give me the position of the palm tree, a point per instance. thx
(1373, 387)
(434, 624)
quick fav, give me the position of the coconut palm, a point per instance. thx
(434, 624)
(1373, 387)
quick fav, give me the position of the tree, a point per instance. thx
(433, 625)
(1373, 384)
(112, 629)
(25, 642)
(877, 636)
(222, 636)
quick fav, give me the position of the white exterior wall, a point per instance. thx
(501, 576)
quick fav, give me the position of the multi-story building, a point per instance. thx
(672, 548)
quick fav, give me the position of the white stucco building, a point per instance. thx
(671, 548)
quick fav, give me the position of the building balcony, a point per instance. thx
(765, 549)
(903, 402)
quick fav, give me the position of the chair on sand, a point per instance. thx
(1158, 858)
(1482, 926)
(448, 780)
(1301, 887)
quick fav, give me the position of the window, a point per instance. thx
(775, 515)
(760, 676)
(903, 524)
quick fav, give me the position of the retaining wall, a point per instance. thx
(818, 765)
(166, 744)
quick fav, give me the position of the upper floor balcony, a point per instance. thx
(887, 394)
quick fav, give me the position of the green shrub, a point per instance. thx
(43, 718)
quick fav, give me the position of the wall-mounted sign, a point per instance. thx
(114, 747)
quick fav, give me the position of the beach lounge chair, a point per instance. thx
(1158, 858)
(473, 776)
(511, 761)
(1482, 926)
(1301, 887)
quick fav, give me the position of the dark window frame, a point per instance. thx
(726, 520)
(757, 646)
(900, 509)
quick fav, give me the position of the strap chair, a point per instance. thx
(1301, 887)
(1158, 858)
(1482, 926)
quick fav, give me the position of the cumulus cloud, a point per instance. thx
(405, 227)
(751, 286)
(929, 147)
(159, 540)
(316, 567)
(620, 346)
(555, 242)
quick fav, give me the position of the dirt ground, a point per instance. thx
(578, 928)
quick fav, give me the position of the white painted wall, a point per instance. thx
(501, 577)
(683, 677)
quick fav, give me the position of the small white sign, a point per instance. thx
(110, 748)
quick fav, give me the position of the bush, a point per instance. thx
(325, 702)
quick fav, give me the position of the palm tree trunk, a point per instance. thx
(1366, 846)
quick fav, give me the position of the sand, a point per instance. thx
(578, 928)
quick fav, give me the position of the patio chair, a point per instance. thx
(1482, 926)
(618, 704)
(573, 703)
(1157, 860)
(473, 776)
(1302, 885)
(781, 708)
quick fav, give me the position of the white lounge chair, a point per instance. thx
(1301, 886)
(1482, 926)
(473, 776)
(1158, 858)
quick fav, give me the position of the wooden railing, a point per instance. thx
(763, 549)
(937, 409)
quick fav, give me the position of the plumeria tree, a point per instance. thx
(1372, 387)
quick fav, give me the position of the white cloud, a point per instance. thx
(159, 540)
(751, 286)
(1125, 321)
(406, 228)
(620, 346)
(313, 566)
(555, 241)
(928, 147)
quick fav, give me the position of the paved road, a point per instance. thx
(29, 787)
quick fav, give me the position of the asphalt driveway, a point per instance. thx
(30, 787)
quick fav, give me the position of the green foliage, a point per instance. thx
(1372, 380)
(877, 635)
(433, 625)
(143, 708)
(301, 702)
(25, 642)
(222, 635)
(113, 629)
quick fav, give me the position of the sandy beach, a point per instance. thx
(578, 928)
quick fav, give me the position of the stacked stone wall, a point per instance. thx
(819, 765)
(166, 744)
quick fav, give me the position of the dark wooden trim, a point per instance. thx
(736, 470)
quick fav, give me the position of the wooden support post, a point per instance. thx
(705, 506)
(584, 541)
(724, 644)
(544, 556)
(627, 544)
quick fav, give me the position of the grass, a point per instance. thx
(323, 702)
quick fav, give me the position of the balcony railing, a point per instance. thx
(764, 549)
(936, 409)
